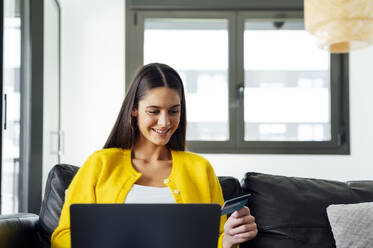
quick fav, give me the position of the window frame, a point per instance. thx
(339, 88)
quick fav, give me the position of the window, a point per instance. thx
(22, 90)
(254, 80)
(10, 166)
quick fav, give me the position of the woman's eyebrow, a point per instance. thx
(177, 105)
(154, 106)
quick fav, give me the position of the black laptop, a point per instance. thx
(144, 225)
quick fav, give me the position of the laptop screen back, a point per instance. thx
(144, 225)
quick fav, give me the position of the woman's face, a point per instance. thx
(158, 115)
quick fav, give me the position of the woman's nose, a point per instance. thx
(164, 120)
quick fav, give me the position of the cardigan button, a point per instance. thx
(176, 191)
(166, 181)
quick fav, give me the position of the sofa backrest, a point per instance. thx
(59, 178)
(291, 212)
(18, 230)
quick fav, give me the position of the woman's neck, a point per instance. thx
(150, 152)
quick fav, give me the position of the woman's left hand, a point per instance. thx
(240, 227)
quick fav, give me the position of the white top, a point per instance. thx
(148, 194)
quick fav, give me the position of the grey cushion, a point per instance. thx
(352, 224)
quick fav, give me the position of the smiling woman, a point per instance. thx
(144, 160)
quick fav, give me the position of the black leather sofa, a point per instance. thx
(290, 212)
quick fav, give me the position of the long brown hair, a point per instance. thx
(125, 130)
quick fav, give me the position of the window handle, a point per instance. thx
(240, 93)
(240, 90)
(5, 110)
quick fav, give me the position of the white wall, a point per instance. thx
(51, 88)
(92, 74)
(93, 88)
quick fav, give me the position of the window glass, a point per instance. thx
(198, 50)
(287, 84)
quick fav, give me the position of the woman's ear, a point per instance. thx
(134, 112)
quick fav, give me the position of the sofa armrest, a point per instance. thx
(19, 230)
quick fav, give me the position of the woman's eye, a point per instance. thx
(174, 111)
(155, 112)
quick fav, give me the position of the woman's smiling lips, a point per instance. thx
(161, 132)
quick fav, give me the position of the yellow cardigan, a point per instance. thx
(108, 175)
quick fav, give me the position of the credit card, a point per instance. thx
(234, 204)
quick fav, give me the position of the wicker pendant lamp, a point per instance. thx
(340, 25)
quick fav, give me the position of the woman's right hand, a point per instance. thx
(240, 227)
